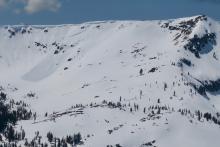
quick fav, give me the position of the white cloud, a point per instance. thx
(3, 3)
(32, 6)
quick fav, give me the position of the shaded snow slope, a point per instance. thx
(127, 83)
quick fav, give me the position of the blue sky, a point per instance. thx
(77, 11)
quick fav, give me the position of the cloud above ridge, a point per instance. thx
(32, 6)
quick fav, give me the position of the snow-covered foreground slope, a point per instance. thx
(117, 83)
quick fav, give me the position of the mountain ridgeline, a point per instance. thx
(111, 84)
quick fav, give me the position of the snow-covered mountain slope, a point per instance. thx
(117, 83)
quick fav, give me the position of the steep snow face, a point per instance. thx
(118, 83)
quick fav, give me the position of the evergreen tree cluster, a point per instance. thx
(75, 139)
(10, 113)
(201, 116)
